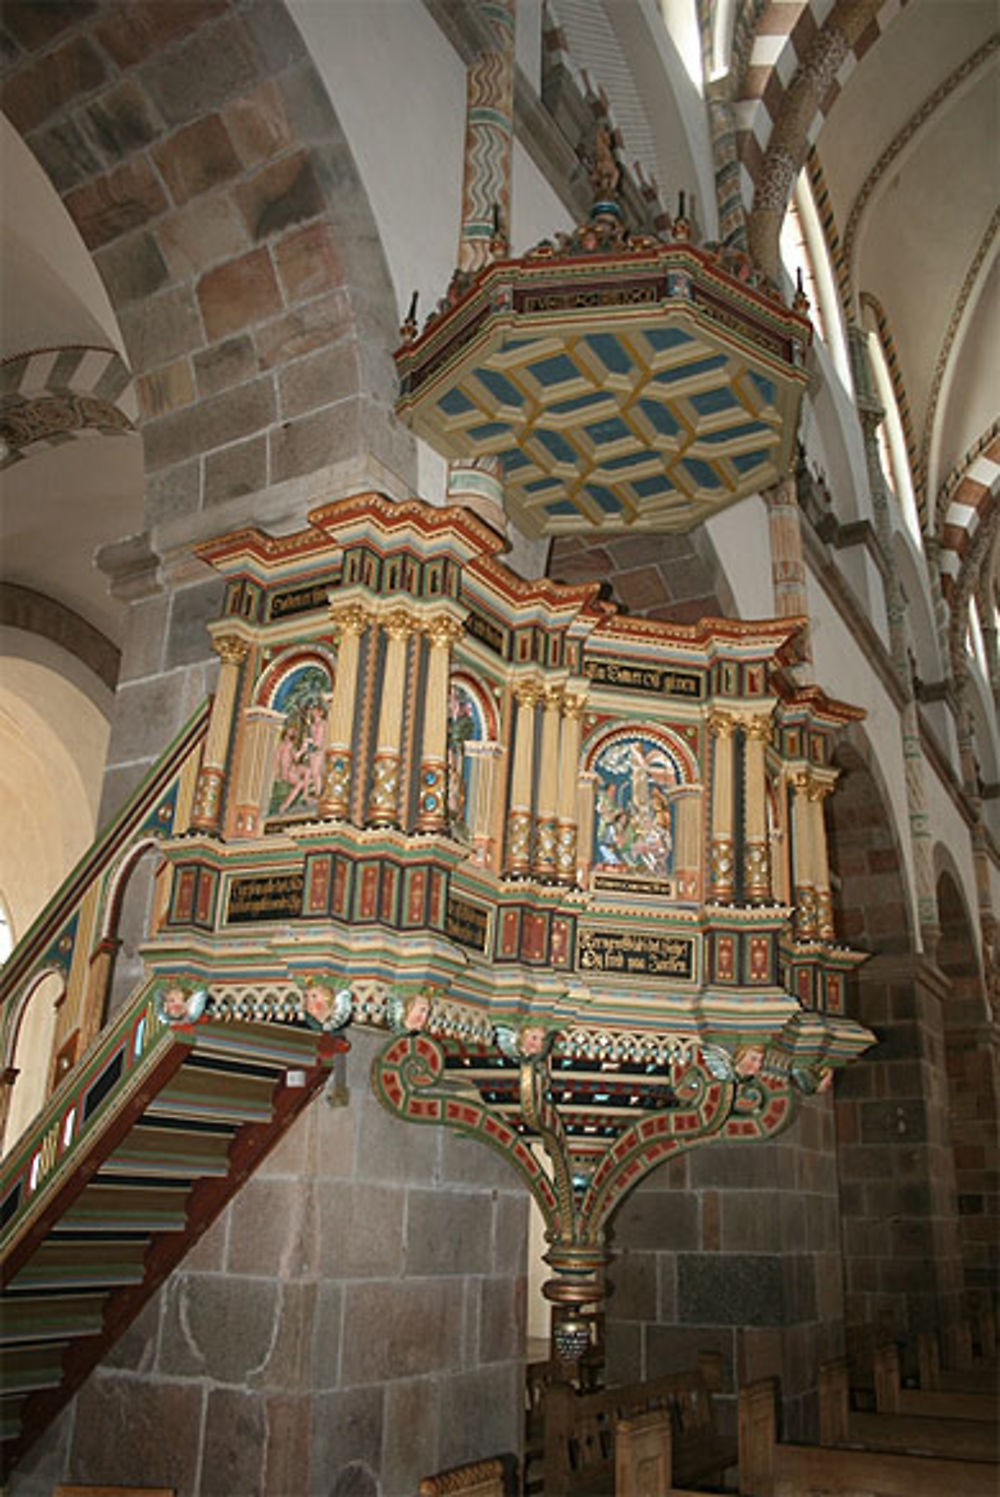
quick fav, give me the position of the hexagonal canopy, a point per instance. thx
(648, 389)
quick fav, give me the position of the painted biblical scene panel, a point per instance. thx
(301, 697)
(466, 724)
(637, 778)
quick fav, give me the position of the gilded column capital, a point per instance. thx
(721, 724)
(443, 631)
(759, 727)
(801, 780)
(399, 624)
(528, 693)
(819, 789)
(551, 697)
(349, 618)
(231, 649)
(574, 704)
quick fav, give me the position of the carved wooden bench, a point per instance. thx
(770, 1469)
(580, 1433)
(968, 1374)
(892, 1398)
(840, 1425)
(496, 1477)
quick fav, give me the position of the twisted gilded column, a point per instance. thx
(548, 784)
(720, 726)
(573, 707)
(442, 633)
(803, 829)
(351, 621)
(232, 651)
(383, 800)
(756, 860)
(526, 695)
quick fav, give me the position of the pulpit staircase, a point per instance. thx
(132, 1157)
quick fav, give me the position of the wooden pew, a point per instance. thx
(892, 1398)
(953, 1439)
(644, 1462)
(970, 1376)
(495, 1477)
(770, 1469)
(580, 1433)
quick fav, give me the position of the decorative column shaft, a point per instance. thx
(586, 789)
(351, 622)
(720, 725)
(261, 728)
(818, 791)
(788, 572)
(526, 695)
(480, 809)
(548, 781)
(432, 814)
(231, 650)
(805, 891)
(383, 802)
(756, 862)
(566, 791)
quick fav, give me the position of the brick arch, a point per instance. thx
(196, 150)
(778, 120)
(871, 903)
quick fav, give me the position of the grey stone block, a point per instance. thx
(466, 1161)
(148, 713)
(673, 1348)
(409, 1445)
(190, 610)
(892, 1122)
(211, 423)
(196, 77)
(273, 1228)
(730, 1289)
(132, 267)
(120, 121)
(657, 1219)
(389, 1149)
(235, 1442)
(118, 1433)
(217, 1327)
(324, 1350)
(161, 328)
(360, 1229)
(346, 1429)
(623, 1351)
(235, 471)
(136, 1348)
(173, 492)
(399, 1329)
(744, 1166)
(317, 440)
(501, 1319)
(633, 1279)
(447, 1232)
(320, 380)
(751, 1224)
(65, 153)
(510, 1233)
(480, 1414)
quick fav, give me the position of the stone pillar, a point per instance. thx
(548, 776)
(788, 572)
(432, 811)
(231, 650)
(351, 622)
(383, 801)
(803, 856)
(720, 726)
(573, 708)
(261, 728)
(526, 694)
(756, 860)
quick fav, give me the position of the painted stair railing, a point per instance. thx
(131, 1159)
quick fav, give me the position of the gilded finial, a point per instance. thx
(682, 224)
(408, 331)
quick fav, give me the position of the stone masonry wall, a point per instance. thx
(353, 1322)
(196, 150)
(734, 1248)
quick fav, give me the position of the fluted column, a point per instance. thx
(383, 802)
(261, 729)
(573, 707)
(720, 725)
(351, 621)
(548, 785)
(232, 651)
(819, 789)
(432, 815)
(806, 923)
(586, 789)
(480, 814)
(756, 862)
(526, 695)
